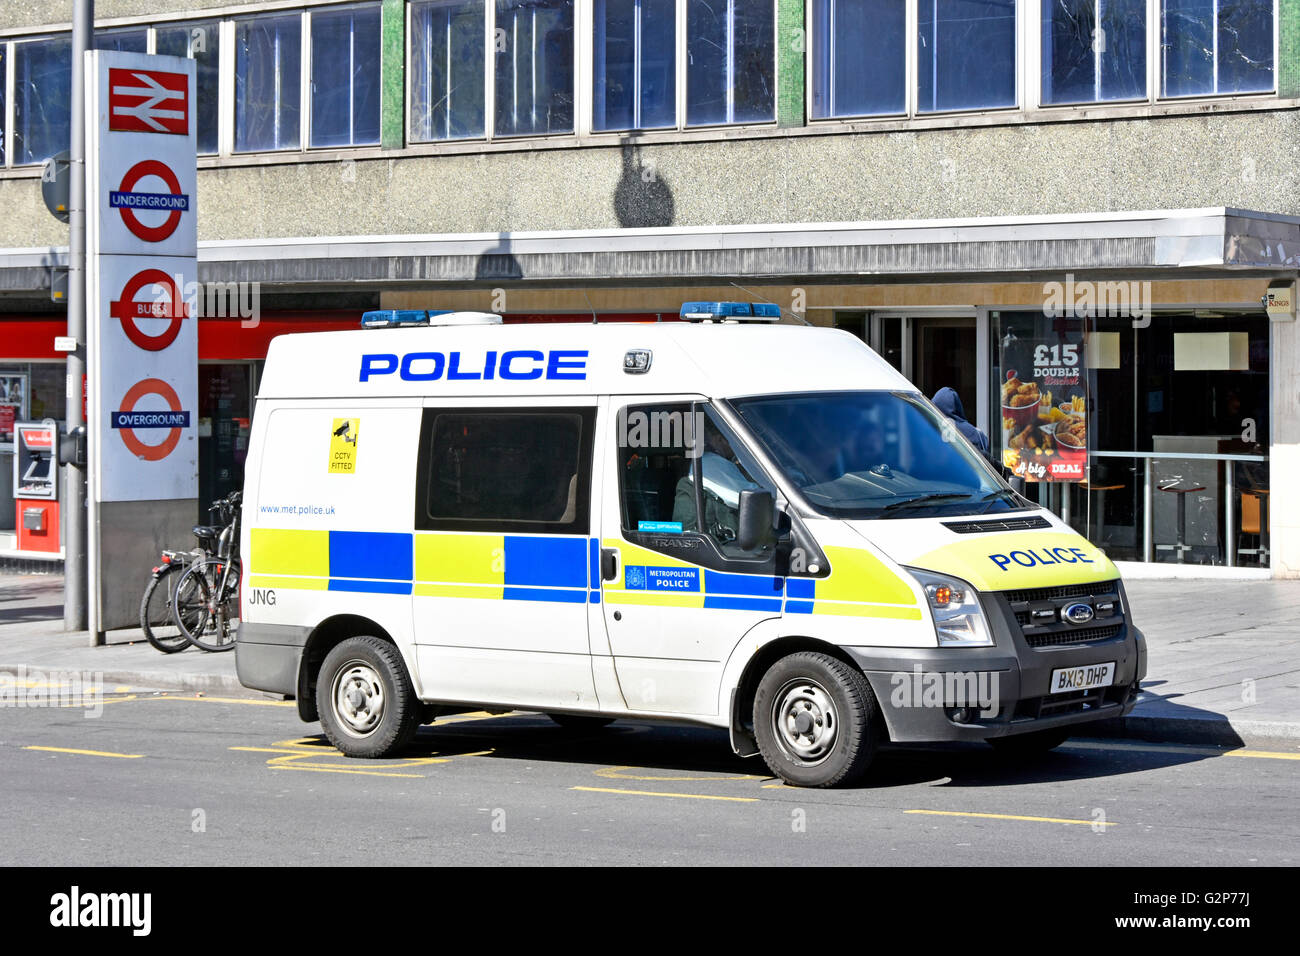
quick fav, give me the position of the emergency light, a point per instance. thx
(730, 312)
(388, 318)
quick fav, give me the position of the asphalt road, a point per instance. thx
(173, 779)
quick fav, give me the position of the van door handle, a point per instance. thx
(608, 564)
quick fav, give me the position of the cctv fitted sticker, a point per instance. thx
(343, 446)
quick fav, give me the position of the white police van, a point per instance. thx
(727, 521)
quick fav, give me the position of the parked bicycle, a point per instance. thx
(157, 614)
(205, 605)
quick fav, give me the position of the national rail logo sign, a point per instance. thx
(168, 305)
(148, 101)
(127, 419)
(128, 201)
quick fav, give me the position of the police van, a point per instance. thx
(728, 521)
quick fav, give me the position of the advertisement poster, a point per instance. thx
(1045, 409)
(11, 404)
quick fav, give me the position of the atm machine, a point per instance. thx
(36, 485)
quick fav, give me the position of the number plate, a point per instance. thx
(1066, 679)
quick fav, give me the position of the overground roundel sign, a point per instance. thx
(127, 201)
(127, 309)
(128, 419)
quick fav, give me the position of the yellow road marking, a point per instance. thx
(87, 753)
(368, 773)
(1180, 749)
(660, 793)
(300, 752)
(1008, 816)
(618, 774)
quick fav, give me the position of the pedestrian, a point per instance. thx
(949, 402)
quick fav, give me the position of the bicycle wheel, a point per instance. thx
(156, 619)
(207, 619)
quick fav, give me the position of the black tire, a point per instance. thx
(192, 604)
(1032, 744)
(842, 722)
(580, 721)
(367, 705)
(156, 618)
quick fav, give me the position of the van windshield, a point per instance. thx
(875, 454)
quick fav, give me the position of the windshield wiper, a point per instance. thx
(1007, 493)
(931, 496)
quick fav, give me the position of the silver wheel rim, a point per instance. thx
(805, 721)
(359, 698)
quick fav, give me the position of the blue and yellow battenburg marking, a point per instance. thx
(484, 566)
(561, 569)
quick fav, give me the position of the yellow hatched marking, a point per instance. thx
(660, 793)
(461, 558)
(1009, 816)
(618, 773)
(303, 752)
(85, 753)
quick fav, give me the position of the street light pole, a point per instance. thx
(75, 597)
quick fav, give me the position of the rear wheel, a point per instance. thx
(367, 705)
(156, 618)
(207, 619)
(816, 720)
(1030, 744)
(580, 721)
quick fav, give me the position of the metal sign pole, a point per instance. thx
(74, 565)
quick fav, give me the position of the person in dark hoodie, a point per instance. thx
(949, 402)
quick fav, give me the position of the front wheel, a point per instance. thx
(367, 705)
(816, 720)
(156, 617)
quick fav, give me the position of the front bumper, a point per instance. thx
(1004, 688)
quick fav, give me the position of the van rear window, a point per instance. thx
(506, 470)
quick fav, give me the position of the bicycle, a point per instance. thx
(157, 618)
(205, 605)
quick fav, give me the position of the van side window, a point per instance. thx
(505, 469)
(653, 456)
(680, 477)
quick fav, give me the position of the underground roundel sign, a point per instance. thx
(128, 420)
(133, 197)
(167, 305)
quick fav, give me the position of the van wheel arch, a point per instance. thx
(742, 697)
(327, 635)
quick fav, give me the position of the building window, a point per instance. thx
(966, 55)
(730, 62)
(268, 82)
(1094, 50)
(634, 52)
(345, 77)
(534, 67)
(200, 42)
(41, 98)
(447, 50)
(123, 41)
(1211, 47)
(859, 58)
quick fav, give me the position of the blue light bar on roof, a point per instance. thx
(731, 312)
(390, 318)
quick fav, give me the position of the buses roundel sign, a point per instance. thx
(167, 305)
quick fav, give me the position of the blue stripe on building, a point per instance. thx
(371, 554)
(546, 562)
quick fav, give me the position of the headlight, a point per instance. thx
(958, 617)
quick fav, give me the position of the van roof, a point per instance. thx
(721, 360)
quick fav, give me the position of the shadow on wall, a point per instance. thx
(642, 198)
(498, 264)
